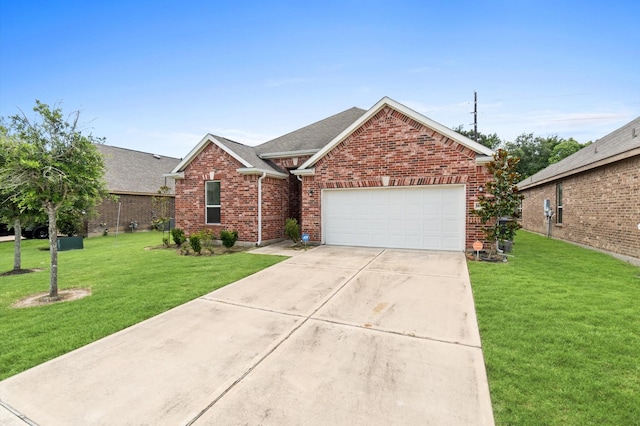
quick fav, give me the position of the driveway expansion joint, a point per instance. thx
(398, 333)
(283, 340)
(18, 414)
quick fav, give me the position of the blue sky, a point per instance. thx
(157, 76)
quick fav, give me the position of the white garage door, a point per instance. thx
(430, 218)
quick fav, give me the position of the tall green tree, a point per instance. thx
(501, 198)
(9, 209)
(565, 148)
(52, 167)
(533, 151)
(492, 140)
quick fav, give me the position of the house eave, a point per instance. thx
(304, 172)
(175, 176)
(587, 167)
(288, 154)
(153, 194)
(208, 138)
(257, 171)
(481, 161)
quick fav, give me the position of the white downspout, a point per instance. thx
(264, 174)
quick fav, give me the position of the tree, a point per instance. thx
(491, 141)
(9, 210)
(160, 204)
(533, 151)
(565, 148)
(52, 168)
(503, 199)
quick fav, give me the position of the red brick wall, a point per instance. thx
(601, 208)
(238, 198)
(133, 208)
(394, 145)
(292, 209)
(238, 195)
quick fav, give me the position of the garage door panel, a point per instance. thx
(416, 217)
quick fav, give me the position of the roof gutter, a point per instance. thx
(304, 172)
(257, 171)
(174, 176)
(264, 174)
(288, 154)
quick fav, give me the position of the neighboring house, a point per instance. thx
(134, 177)
(594, 195)
(385, 177)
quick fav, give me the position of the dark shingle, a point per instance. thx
(617, 142)
(314, 136)
(135, 172)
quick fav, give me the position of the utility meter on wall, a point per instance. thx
(548, 211)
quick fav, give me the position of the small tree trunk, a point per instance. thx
(17, 228)
(53, 250)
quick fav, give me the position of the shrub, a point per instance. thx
(165, 241)
(178, 236)
(292, 229)
(228, 238)
(207, 239)
(194, 242)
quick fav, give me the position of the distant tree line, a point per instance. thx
(535, 152)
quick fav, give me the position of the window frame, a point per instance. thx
(559, 203)
(207, 206)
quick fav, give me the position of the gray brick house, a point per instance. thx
(594, 195)
(134, 177)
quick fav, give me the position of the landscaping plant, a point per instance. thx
(178, 236)
(292, 229)
(194, 242)
(502, 199)
(228, 238)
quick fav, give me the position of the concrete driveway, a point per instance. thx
(336, 335)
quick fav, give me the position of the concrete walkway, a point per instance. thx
(334, 335)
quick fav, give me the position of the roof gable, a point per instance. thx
(135, 172)
(617, 145)
(245, 155)
(388, 102)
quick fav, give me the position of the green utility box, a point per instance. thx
(70, 243)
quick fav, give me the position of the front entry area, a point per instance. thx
(422, 217)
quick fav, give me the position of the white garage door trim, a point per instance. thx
(416, 217)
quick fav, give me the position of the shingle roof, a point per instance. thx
(309, 139)
(136, 172)
(619, 144)
(249, 154)
(312, 137)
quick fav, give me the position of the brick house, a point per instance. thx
(134, 177)
(386, 177)
(594, 195)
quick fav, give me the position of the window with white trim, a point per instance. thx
(559, 203)
(212, 202)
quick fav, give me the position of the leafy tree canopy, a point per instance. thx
(565, 148)
(50, 167)
(489, 140)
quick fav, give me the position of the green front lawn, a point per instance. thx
(560, 328)
(128, 284)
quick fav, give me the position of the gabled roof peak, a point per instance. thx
(388, 102)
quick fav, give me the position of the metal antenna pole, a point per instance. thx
(475, 116)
